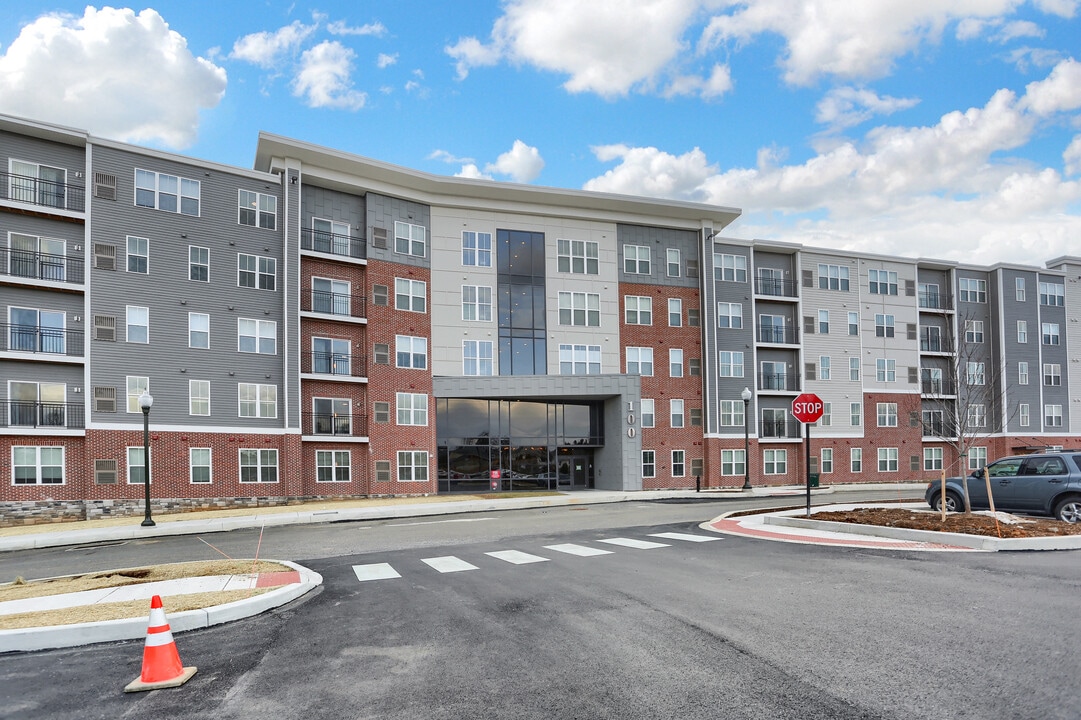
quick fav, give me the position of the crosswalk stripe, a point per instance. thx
(517, 557)
(632, 543)
(684, 536)
(448, 564)
(375, 571)
(580, 550)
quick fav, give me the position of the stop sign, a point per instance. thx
(807, 407)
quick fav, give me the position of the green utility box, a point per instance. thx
(814, 480)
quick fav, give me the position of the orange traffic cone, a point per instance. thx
(161, 662)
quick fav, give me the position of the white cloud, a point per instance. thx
(384, 60)
(338, 27)
(608, 47)
(1071, 158)
(856, 38)
(948, 190)
(266, 49)
(717, 84)
(113, 72)
(847, 106)
(522, 164)
(1020, 28)
(324, 77)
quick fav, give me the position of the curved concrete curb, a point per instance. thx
(61, 636)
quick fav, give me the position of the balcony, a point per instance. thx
(44, 193)
(936, 345)
(774, 429)
(335, 425)
(775, 287)
(41, 266)
(17, 413)
(324, 363)
(779, 335)
(36, 339)
(332, 243)
(935, 301)
(938, 387)
(333, 303)
(784, 383)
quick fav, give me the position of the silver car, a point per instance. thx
(1043, 484)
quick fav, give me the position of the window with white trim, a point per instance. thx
(679, 466)
(1052, 415)
(732, 413)
(198, 263)
(410, 295)
(853, 323)
(675, 312)
(825, 367)
(580, 257)
(638, 310)
(636, 259)
(1023, 415)
(887, 414)
(477, 357)
(412, 408)
(885, 370)
(884, 325)
(1019, 289)
(640, 361)
(972, 290)
(477, 303)
(855, 413)
(200, 469)
(649, 463)
(198, 397)
(827, 460)
(579, 308)
(138, 249)
(832, 277)
(672, 255)
(37, 465)
(729, 315)
(476, 248)
(731, 363)
(775, 462)
(882, 282)
(168, 193)
(412, 466)
(256, 400)
(824, 322)
(887, 460)
(855, 459)
(733, 462)
(730, 268)
(975, 373)
(579, 359)
(977, 458)
(974, 331)
(332, 465)
(136, 386)
(257, 336)
(332, 296)
(1050, 333)
(853, 368)
(137, 466)
(256, 271)
(675, 362)
(675, 408)
(257, 209)
(258, 465)
(138, 324)
(1052, 294)
(409, 239)
(648, 414)
(1022, 331)
(411, 352)
(932, 458)
(199, 331)
(977, 415)
(1022, 372)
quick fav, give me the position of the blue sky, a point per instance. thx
(935, 128)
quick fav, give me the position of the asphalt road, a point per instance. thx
(731, 628)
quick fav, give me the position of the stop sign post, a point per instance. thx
(807, 408)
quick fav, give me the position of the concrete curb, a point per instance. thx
(61, 636)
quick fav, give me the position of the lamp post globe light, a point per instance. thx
(746, 395)
(146, 400)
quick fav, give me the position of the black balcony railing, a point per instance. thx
(775, 287)
(332, 303)
(779, 429)
(775, 334)
(17, 413)
(324, 363)
(934, 428)
(341, 425)
(36, 339)
(774, 381)
(41, 266)
(938, 345)
(938, 387)
(332, 243)
(45, 193)
(935, 301)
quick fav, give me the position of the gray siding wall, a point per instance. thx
(382, 212)
(729, 339)
(170, 295)
(659, 240)
(1054, 354)
(970, 311)
(1009, 312)
(326, 204)
(71, 375)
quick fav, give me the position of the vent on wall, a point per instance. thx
(105, 328)
(382, 471)
(104, 186)
(105, 472)
(104, 399)
(104, 256)
(379, 238)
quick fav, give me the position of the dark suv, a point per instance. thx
(1045, 483)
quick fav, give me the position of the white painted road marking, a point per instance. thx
(375, 571)
(684, 536)
(516, 556)
(632, 543)
(580, 550)
(448, 564)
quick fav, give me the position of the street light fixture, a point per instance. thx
(146, 400)
(746, 395)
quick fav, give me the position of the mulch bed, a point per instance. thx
(1008, 526)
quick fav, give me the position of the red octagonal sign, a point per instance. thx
(807, 407)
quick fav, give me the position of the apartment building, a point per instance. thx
(326, 325)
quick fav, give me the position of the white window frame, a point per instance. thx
(332, 460)
(729, 267)
(885, 370)
(1022, 372)
(261, 334)
(733, 463)
(579, 359)
(826, 464)
(136, 316)
(642, 360)
(854, 369)
(410, 239)
(149, 181)
(265, 399)
(1024, 415)
(198, 395)
(578, 257)
(266, 459)
(209, 465)
(410, 461)
(974, 331)
(637, 310)
(887, 414)
(855, 413)
(648, 412)
(972, 290)
(637, 259)
(674, 265)
(888, 459)
(976, 415)
(142, 250)
(198, 328)
(136, 385)
(855, 460)
(39, 465)
(730, 315)
(476, 248)
(1050, 333)
(649, 463)
(932, 458)
(260, 206)
(196, 262)
(412, 350)
(263, 273)
(881, 282)
(885, 325)
(411, 409)
(409, 294)
(833, 277)
(675, 312)
(1019, 289)
(731, 363)
(579, 309)
(675, 362)
(825, 367)
(823, 322)
(137, 451)
(1052, 294)
(977, 458)
(477, 303)
(679, 463)
(1052, 415)
(478, 358)
(774, 462)
(975, 373)
(731, 412)
(676, 416)
(1022, 331)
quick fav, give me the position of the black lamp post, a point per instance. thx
(746, 395)
(145, 402)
